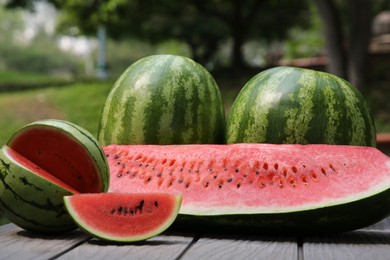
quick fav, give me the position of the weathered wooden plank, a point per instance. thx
(5, 228)
(16, 243)
(354, 245)
(165, 246)
(383, 225)
(372, 242)
(242, 247)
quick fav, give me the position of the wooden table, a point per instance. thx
(372, 242)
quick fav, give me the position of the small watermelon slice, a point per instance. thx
(123, 217)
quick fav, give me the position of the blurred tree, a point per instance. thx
(202, 24)
(347, 29)
(39, 54)
(305, 42)
(11, 24)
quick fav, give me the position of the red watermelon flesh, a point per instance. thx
(35, 169)
(123, 217)
(59, 155)
(250, 178)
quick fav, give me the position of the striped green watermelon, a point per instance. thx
(163, 99)
(300, 106)
(41, 163)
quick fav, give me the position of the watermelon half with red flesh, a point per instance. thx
(42, 162)
(287, 187)
(23, 162)
(66, 151)
(123, 217)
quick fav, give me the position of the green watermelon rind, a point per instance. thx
(343, 217)
(30, 201)
(302, 106)
(80, 137)
(83, 224)
(163, 99)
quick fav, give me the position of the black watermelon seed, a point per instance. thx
(265, 166)
(294, 169)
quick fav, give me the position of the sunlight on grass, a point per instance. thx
(12, 79)
(78, 103)
(81, 103)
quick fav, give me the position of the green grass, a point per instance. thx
(10, 80)
(14, 77)
(78, 103)
(81, 103)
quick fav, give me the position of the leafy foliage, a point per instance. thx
(305, 42)
(40, 54)
(203, 25)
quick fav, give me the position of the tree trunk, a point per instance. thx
(238, 34)
(359, 37)
(334, 40)
(194, 49)
(237, 54)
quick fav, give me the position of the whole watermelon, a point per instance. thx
(163, 99)
(300, 106)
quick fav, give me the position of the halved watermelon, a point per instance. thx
(123, 217)
(284, 187)
(66, 151)
(41, 163)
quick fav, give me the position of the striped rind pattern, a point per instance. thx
(34, 203)
(30, 201)
(163, 99)
(294, 105)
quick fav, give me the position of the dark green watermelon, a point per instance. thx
(163, 99)
(300, 106)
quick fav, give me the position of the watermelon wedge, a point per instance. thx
(276, 187)
(123, 217)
